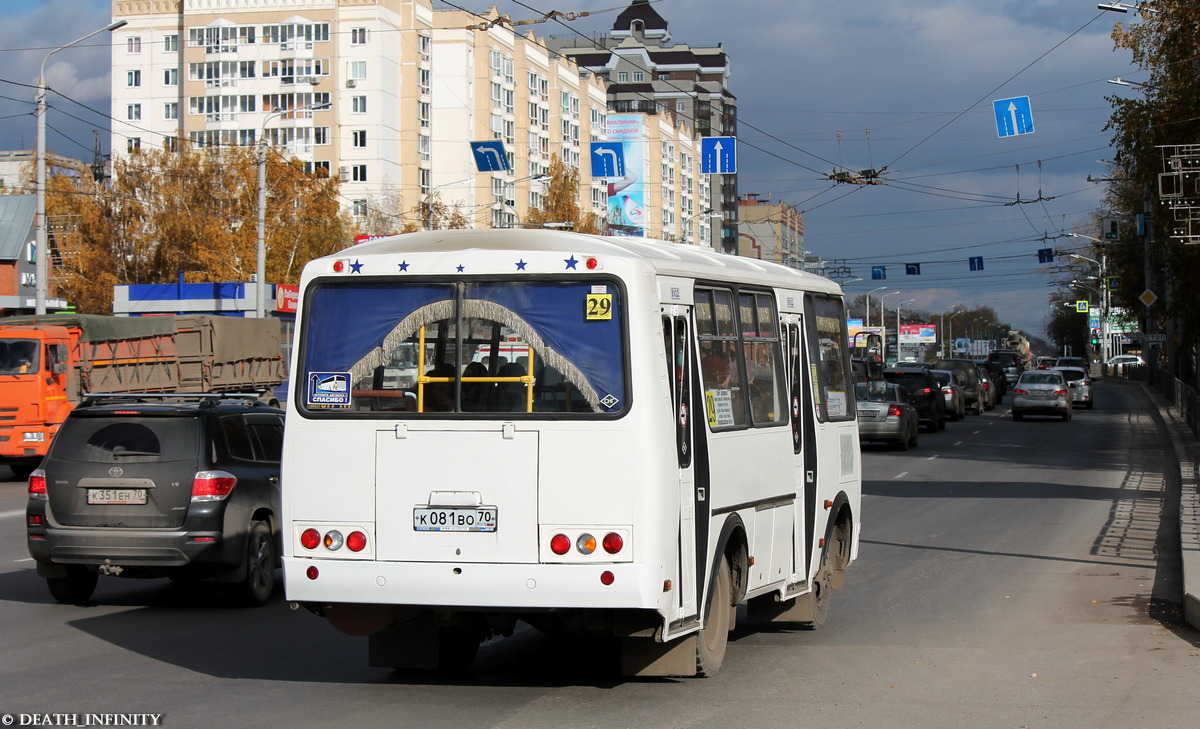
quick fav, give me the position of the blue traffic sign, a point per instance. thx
(1013, 116)
(490, 155)
(718, 155)
(608, 159)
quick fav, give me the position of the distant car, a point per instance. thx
(997, 376)
(1045, 363)
(987, 389)
(972, 392)
(1079, 362)
(1118, 363)
(949, 382)
(923, 392)
(886, 416)
(1080, 384)
(159, 486)
(1010, 363)
(1041, 392)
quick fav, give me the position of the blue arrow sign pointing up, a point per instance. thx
(718, 155)
(1013, 116)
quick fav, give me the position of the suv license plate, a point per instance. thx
(454, 519)
(116, 496)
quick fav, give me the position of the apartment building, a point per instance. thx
(389, 94)
(772, 231)
(649, 74)
(342, 85)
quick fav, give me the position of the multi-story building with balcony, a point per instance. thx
(389, 94)
(772, 231)
(648, 74)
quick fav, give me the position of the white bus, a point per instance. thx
(614, 435)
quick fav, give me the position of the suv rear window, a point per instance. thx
(120, 439)
(910, 382)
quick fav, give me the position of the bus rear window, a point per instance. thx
(471, 347)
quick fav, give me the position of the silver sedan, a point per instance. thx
(885, 414)
(1041, 392)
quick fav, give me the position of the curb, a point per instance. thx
(1187, 455)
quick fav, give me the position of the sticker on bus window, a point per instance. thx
(719, 404)
(328, 390)
(597, 307)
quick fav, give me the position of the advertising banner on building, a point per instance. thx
(627, 213)
(918, 333)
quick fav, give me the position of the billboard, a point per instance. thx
(627, 214)
(918, 333)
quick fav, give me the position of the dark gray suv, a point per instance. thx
(159, 486)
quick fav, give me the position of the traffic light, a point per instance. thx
(1109, 229)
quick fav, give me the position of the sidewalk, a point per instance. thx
(1187, 455)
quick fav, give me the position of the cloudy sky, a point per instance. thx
(904, 87)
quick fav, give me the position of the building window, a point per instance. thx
(359, 137)
(425, 47)
(664, 77)
(133, 112)
(424, 147)
(320, 170)
(321, 135)
(133, 144)
(358, 104)
(133, 44)
(133, 78)
(424, 81)
(638, 77)
(423, 113)
(171, 110)
(358, 173)
(681, 105)
(170, 77)
(360, 208)
(358, 36)
(171, 43)
(358, 70)
(622, 77)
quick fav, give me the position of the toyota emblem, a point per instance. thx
(116, 472)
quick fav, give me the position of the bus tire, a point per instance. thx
(713, 638)
(818, 597)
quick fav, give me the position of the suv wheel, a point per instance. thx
(76, 587)
(259, 582)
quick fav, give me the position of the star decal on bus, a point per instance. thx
(404, 266)
(356, 267)
(461, 268)
(571, 262)
(521, 265)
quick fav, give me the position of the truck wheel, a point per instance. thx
(713, 639)
(259, 582)
(76, 587)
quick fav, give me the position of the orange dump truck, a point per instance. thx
(47, 364)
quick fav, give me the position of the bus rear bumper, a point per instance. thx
(478, 585)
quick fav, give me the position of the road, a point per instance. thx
(1008, 578)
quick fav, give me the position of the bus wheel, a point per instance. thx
(714, 638)
(818, 597)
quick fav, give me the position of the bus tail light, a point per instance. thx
(356, 542)
(310, 539)
(613, 542)
(333, 540)
(607, 578)
(586, 543)
(560, 544)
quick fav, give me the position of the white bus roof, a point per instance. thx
(668, 259)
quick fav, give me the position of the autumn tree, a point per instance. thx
(561, 201)
(1165, 112)
(193, 211)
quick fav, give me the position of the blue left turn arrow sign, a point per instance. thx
(490, 155)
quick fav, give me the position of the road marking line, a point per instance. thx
(958, 443)
(932, 457)
(977, 432)
(902, 474)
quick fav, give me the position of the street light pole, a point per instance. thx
(42, 259)
(881, 288)
(1105, 295)
(260, 268)
(898, 305)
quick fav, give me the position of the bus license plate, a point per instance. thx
(454, 519)
(116, 496)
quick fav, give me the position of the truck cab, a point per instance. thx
(34, 376)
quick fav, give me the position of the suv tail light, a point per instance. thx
(893, 411)
(37, 484)
(212, 485)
